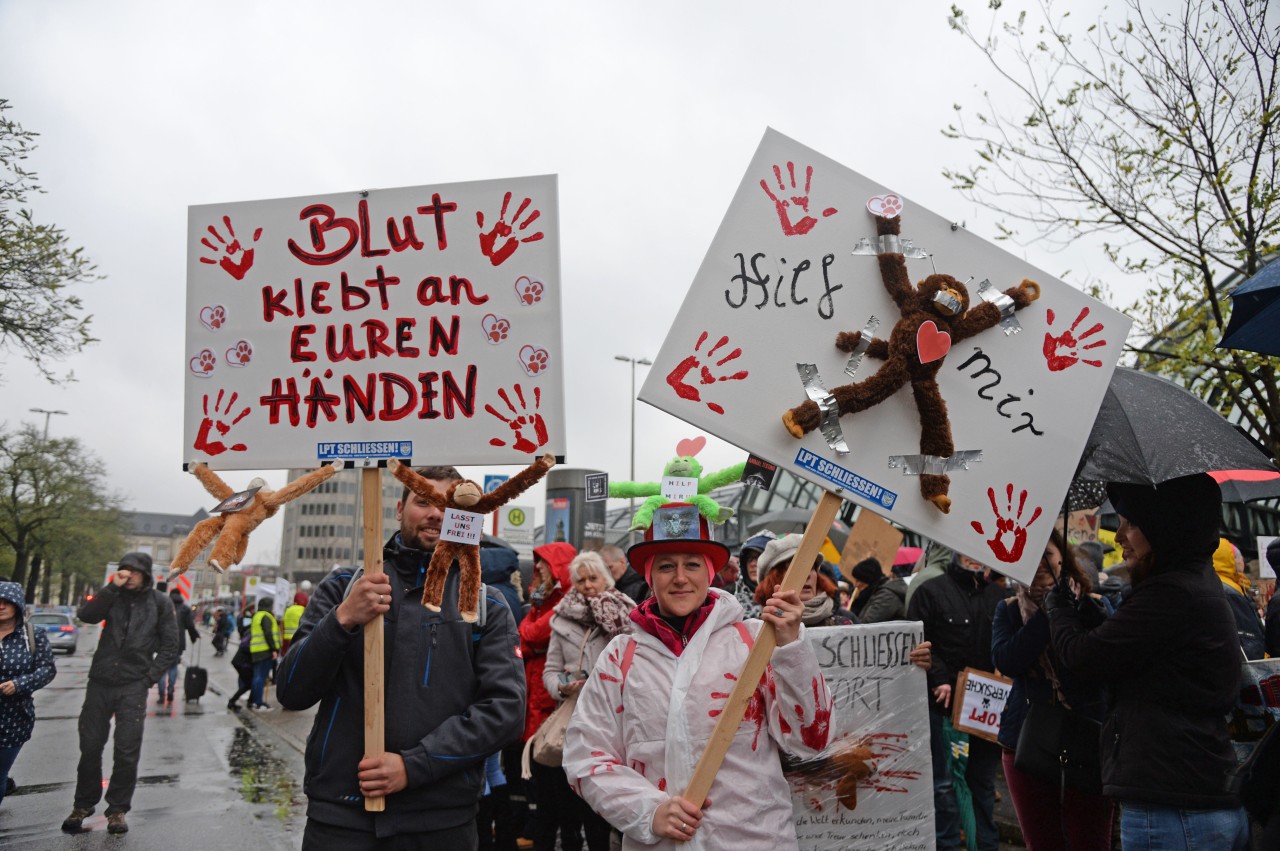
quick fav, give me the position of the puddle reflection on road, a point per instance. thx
(264, 777)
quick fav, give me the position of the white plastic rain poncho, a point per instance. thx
(646, 714)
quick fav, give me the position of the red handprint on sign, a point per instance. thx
(521, 418)
(499, 243)
(217, 422)
(236, 260)
(788, 196)
(1064, 350)
(677, 376)
(1010, 535)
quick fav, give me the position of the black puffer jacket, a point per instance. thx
(454, 694)
(1169, 656)
(140, 639)
(956, 609)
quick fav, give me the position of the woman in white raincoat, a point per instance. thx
(653, 699)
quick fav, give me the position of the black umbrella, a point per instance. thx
(1150, 430)
(1247, 485)
(1255, 314)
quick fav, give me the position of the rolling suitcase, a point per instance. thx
(196, 680)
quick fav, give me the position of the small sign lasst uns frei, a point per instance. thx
(370, 325)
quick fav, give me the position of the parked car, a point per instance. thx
(60, 628)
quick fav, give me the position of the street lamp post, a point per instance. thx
(47, 415)
(643, 362)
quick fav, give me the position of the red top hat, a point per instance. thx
(678, 527)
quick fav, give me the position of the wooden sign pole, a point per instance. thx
(758, 658)
(374, 691)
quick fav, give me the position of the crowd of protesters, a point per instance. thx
(1150, 650)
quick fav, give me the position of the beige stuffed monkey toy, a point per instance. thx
(232, 528)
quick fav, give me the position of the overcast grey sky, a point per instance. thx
(648, 112)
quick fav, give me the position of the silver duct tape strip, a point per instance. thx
(948, 302)
(827, 405)
(889, 244)
(864, 343)
(934, 465)
(1008, 319)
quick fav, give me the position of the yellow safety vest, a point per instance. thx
(292, 617)
(257, 636)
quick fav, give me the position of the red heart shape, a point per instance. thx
(932, 344)
(690, 446)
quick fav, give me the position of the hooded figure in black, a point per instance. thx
(1171, 660)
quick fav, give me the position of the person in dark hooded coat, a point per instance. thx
(1171, 660)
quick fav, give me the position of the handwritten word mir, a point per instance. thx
(755, 278)
(1007, 407)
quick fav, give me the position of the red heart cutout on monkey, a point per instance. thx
(932, 344)
(690, 446)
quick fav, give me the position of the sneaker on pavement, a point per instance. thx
(73, 822)
(116, 823)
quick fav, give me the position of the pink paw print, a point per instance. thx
(240, 354)
(534, 359)
(884, 205)
(202, 364)
(503, 239)
(529, 291)
(496, 328)
(213, 316)
(521, 421)
(236, 260)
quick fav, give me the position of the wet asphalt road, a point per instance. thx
(209, 778)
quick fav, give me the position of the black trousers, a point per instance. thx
(326, 837)
(128, 703)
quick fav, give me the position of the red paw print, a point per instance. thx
(502, 240)
(529, 291)
(240, 354)
(521, 421)
(1064, 350)
(1009, 537)
(790, 200)
(213, 316)
(202, 364)
(534, 360)
(685, 390)
(236, 260)
(496, 328)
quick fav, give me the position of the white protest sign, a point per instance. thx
(463, 527)
(874, 787)
(679, 488)
(371, 325)
(782, 278)
(981, 699)
(1266, 569)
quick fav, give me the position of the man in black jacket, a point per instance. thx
(186, 627)
(138, 643)
(625, 578)
(957, 609)
(454, 694)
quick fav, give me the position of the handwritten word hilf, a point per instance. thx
(738, 297)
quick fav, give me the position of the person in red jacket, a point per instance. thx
(550, 583)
